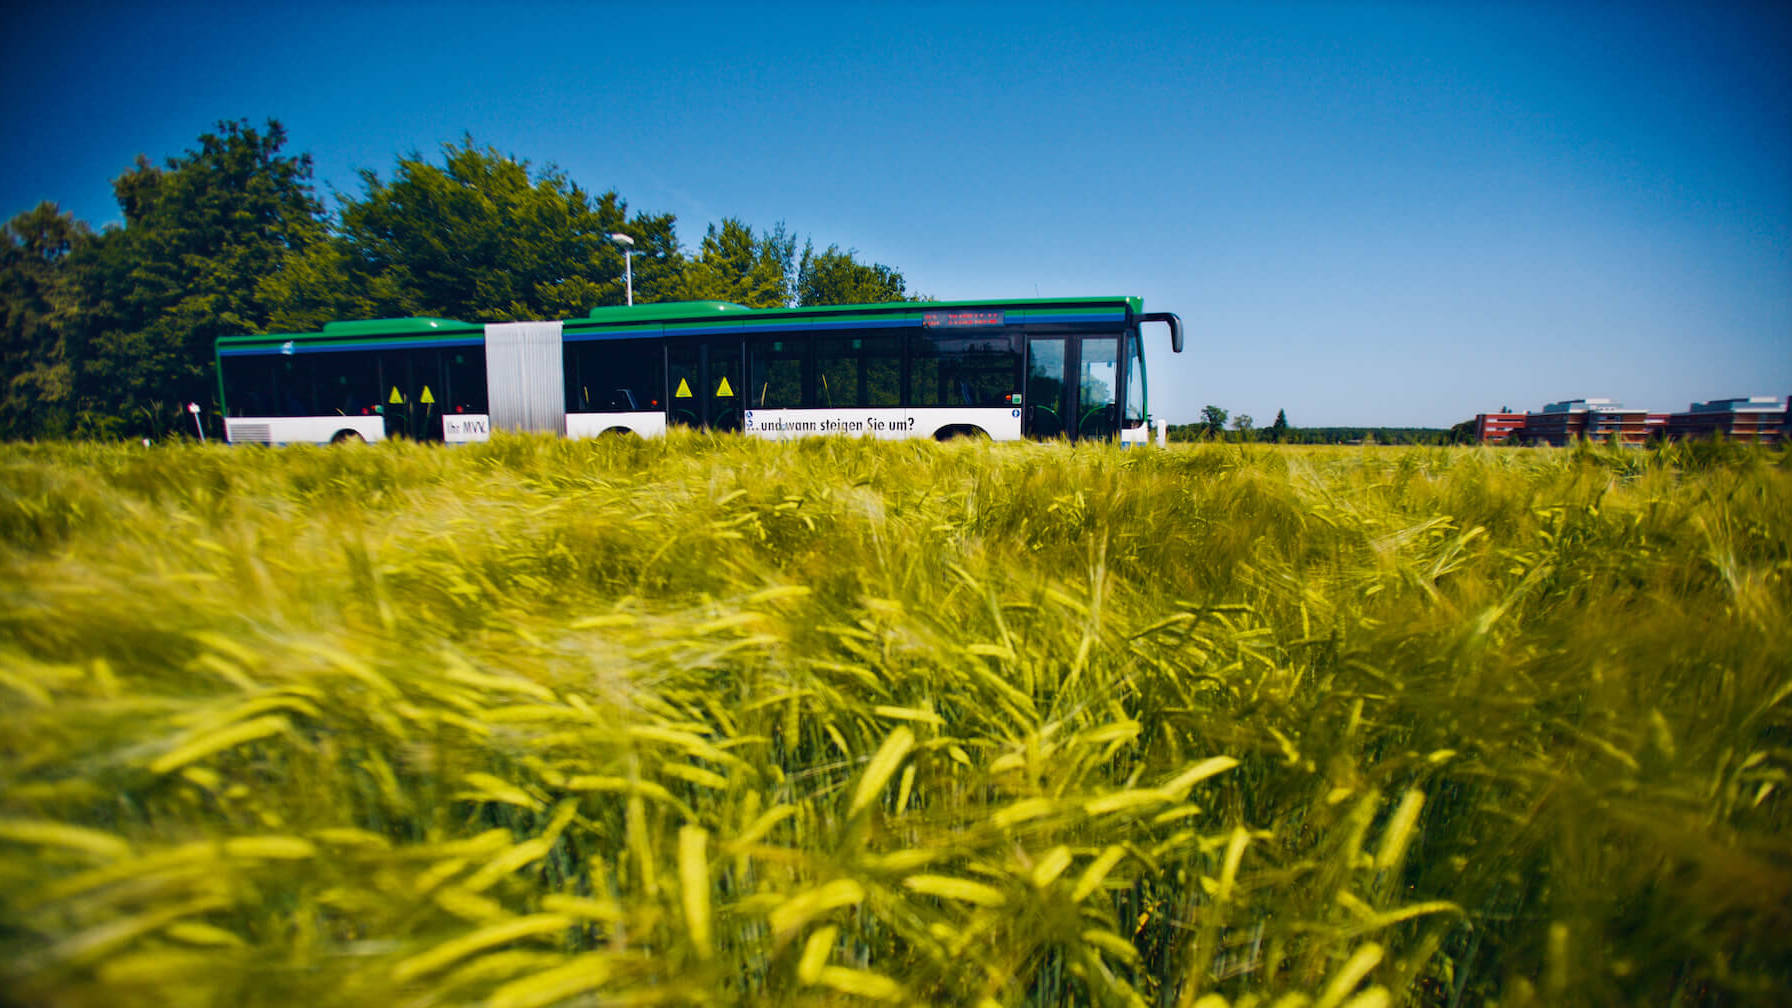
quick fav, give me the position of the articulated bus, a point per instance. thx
(1041, 368)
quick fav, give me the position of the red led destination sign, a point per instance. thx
(962, 319)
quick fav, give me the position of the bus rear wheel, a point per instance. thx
(957, 431)
(347, 437)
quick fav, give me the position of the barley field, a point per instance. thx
(706, 720)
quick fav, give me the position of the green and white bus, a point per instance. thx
(1040, 368)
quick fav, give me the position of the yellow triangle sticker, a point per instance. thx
(724, 389)
(396, 398)
(684, 390)
(426, 399)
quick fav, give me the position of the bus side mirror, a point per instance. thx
(1170, 319)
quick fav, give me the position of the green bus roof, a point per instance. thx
(358, 328)
(393, 327)
(625, 314)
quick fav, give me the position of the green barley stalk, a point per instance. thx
(708, 720)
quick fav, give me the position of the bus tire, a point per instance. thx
(348, 436)
(616, 432)
(956, 431)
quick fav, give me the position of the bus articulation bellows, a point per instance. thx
(1041, 368)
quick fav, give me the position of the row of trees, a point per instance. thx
(1213, 427)
(1244, 428)
(109, 333)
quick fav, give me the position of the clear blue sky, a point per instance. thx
(1394, 214)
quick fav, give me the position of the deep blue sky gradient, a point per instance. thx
(1365, 213)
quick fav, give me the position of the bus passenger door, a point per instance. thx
(411, 382)
(724, 385)
(1047, 409)
(706, 384)
(397, 397)
(684, 380)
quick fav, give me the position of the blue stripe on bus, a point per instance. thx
(836, 324)
(812, 325)
(624, 334)
(1104, 317)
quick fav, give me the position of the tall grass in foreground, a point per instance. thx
(710, 720)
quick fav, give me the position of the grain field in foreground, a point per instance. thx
(707, 720)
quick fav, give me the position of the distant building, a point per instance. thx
(1563, 423)
(1626, 426)
(1497, 428)
(1759, 419)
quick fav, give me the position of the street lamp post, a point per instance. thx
(628, 266)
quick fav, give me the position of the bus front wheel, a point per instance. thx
(347, 437)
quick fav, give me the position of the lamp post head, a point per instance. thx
(628, 269)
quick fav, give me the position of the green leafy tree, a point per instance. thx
(201, 235)
(36, 380)
(835, 277)
(480, 237)
(113, 333)
(734, 264)
(1245, 427)
(1278, 431)
(1213, 421)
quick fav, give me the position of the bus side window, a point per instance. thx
(613, 375)
(776, 378)
(465, 380)
(978, 371)
(837, 370)
(856, 370)
(926, 383)
(302, 391)
(346, 383)
(250, 380)
(578, 387)
(882, 371)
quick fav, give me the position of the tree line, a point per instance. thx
(109, 333)
(1213, 426)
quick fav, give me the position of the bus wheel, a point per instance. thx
(347, 437)
(957, 431)
(616, 432)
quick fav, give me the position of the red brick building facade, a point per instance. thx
(1760, 419)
